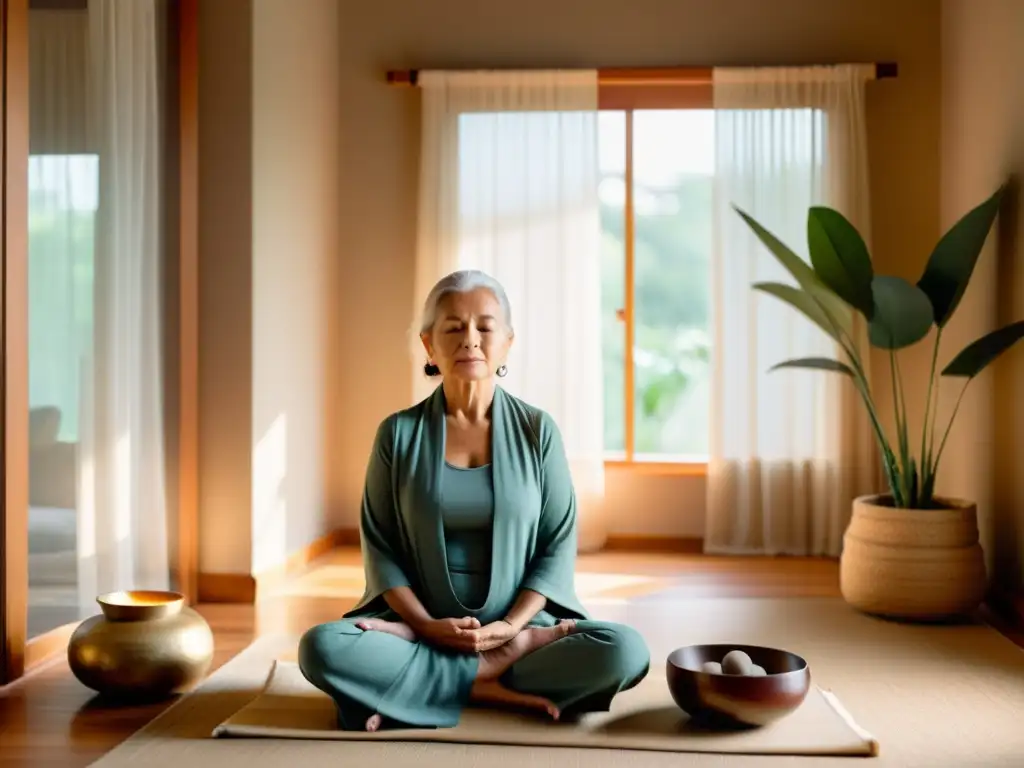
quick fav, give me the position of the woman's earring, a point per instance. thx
(503, 371)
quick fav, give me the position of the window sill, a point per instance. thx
(670, 468)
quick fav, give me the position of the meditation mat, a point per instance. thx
(931, 696)
(642, 718)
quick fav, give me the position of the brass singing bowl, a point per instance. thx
(736, 701)
(145, 644)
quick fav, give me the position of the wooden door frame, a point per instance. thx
(186, 568)
(14, 339)
(19, 654)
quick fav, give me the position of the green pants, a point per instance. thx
(417, 685)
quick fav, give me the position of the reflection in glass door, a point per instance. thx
(97, 518)
(63, 190)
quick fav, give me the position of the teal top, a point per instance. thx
(468, 517)
(406, 501)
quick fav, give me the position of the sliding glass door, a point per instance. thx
(93, 306)
(63, 198)
(97, 506)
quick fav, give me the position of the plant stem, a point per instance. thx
(864, 388)
(910, 472)
(949, 426)
(872, 414)
(895, 391)
(899, 383)
(852, 352)
(892, 468)
(888, 458)
(900, 431)
(925, 444)
(849, 346)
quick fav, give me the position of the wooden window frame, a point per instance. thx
(633, 95)
(629, 90)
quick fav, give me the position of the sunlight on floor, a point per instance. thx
(326, 581)
(347, 581)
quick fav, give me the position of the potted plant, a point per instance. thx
(907, 553)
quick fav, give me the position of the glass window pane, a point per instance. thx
(673, 169)
(97, 517)
(63, 197)
(612, 154)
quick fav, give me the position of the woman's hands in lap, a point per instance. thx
(490, 636)
(452, 634)
(466, 635)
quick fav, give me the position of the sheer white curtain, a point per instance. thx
(789, 449)
(62, 184)
(509, 185)
(62, 195)
(122, 525)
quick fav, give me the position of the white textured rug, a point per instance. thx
(643, 718)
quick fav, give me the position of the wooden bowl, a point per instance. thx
(733, 700)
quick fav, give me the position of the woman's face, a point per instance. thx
(470, 339)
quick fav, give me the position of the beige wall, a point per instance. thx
(296, 108)
(379, 140)
(269, 250)
(257, 366)
(982, 145)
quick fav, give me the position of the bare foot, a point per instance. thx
(493, 692)
(373, 723)
(495, 662)
(396, 628)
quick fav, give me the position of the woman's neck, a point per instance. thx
(468, 401)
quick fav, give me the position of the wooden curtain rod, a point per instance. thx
(635, 76)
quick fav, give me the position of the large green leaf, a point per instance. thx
(951, 264)
(978, 354)
(903, 313)
(840, 258)
(801, 301)
(815, 363)
(832, 305)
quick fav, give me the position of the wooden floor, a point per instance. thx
(50, 719)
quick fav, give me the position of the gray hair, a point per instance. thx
(463, 281)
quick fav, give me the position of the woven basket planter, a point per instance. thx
(913, 564)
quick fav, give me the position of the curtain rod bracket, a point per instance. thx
(886, 69)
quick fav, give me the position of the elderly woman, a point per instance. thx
(468, 529)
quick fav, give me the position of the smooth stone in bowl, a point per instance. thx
(736, 663)
(737, 701)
